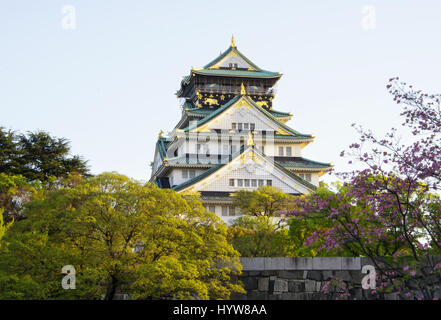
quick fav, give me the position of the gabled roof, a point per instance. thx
(250, 101)
(232, 50)
(212, 170)
(246, 67)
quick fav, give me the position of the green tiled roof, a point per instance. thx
(161, 144)
(279, 113)
(300, 162)
(237, 73)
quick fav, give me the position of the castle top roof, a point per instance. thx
(234, 63)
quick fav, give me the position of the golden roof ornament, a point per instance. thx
(233, 44)
(250, 141)
(160, 134)
(242, 90)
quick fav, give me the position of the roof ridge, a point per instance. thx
(226, 52)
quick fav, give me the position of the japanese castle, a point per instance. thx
(230, 137)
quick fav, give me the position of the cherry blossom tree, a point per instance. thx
(390, 210)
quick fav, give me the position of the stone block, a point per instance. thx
(263, 284)
(356, 293)
(249, 283)
(318, 286)
(292, 274)
(314, 275)
(280, 285)
(252, 264)
(296, 286)
(326, 263)
(327, 275)
(310, 285)
(344, 275)
(350, 263)
(298, 263)
(274, 263)
(356, 276)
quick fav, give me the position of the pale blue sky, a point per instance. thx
(109, 85)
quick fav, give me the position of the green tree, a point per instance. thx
(259, 237)
(265, 201)
(15, 190)
(121, 236)
(303, 228)
(9, 151)
(44, 157)
(3, 226)
(262, 231)
(38, 156)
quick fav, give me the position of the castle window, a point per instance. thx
(269, 182)
(288, 151)
(212, 209)
(185, 174)
(239, 126)
(253, 182)
(231, 182)
(280, 151)
(260, 182)
(231, 211)
(245, 126)
(239, 182)
(252, 126)
(308, 177)
(224, 211)
(233, 126)
(247, 182)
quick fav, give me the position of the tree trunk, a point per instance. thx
(111, 288)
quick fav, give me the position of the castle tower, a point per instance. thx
(230, 137)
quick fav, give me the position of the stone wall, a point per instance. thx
(302, 278)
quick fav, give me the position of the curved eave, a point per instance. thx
(238, 73)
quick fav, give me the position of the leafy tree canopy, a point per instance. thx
(121, 236)
(37, 156)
